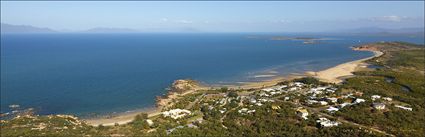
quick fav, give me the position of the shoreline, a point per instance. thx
(337, 73)
(333, 74)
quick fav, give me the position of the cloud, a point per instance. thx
(184, 21)
(391, 18)
(164, 19)
(284, 21)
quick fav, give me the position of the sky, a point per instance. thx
(221, 16)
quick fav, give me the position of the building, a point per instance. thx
(387, 99)
(374, 97)
(275, 107)
(302, 112)
(333, 100)
(358, 100)
(323, 103)
(379, 106)
(403, 107)
(176, 113)
(150, 122)
(344, 104)
(324, 122)
(332, 109)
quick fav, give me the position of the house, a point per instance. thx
(150, 122)
(379, 106)
(293, 88)
(258, 104)
(330, 90)
(275, 107)
(387, 99)
(344, 104)
(268, 89)
(310, 102)
(223, 110)
(333, 100)
(324, 122)
(246, 111)
(358, 100)
(252, 100)
(374, 97)
(302, 112)
(176, 113)
(323, 103)
(332, 109)
(298, 84)
(403, 107)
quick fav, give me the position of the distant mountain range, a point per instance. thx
(8, 28)
(377, 30)
(110, 30)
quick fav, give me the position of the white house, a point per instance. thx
(333, 100)
(302, 112)
(267, 89)
(387, 99)
(323, 103)
(374, 97)
(403, 107)
(344, 104)
(379, 106)
(358, 100)
(246, 111)
(176, 113)
(324, 122)
(312, 101)
(298, 84)
(150, 122)
(332, 109)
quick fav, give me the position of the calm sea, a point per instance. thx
(102, 73)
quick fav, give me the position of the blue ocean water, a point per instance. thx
(103, 73)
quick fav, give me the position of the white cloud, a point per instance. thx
(391, 18)
(184, 21)
(284, 21)
(164, 19)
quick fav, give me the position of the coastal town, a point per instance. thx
(307, 105)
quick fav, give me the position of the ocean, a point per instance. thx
(85, 74)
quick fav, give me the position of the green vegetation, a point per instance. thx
(402, 78)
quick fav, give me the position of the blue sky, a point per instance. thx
(236, 16)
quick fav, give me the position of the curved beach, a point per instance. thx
(335, 74)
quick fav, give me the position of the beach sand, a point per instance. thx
(331, 75)
(122, 118)
(335, 74)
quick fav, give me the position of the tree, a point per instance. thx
(139, 121)
(224, 89)
(232, 94)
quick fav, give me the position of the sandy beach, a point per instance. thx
(121, 118)
(331, 75)
(335, 74)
